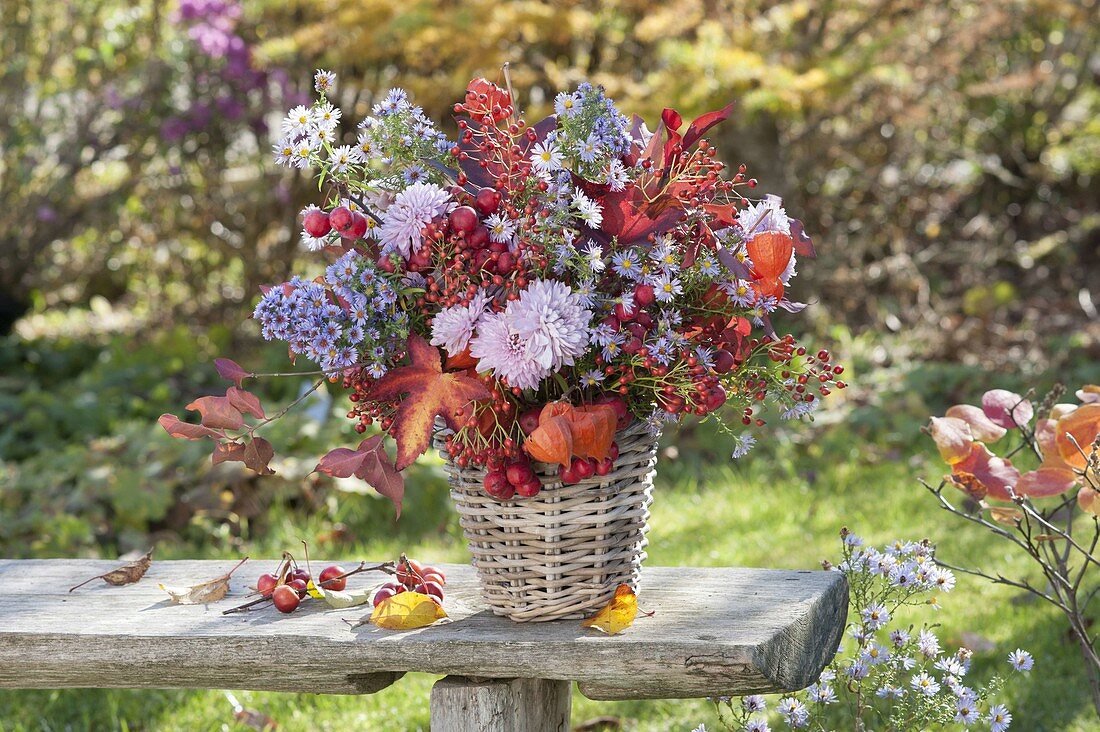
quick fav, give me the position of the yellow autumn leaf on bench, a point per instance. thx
(618, 614)
(406, 611)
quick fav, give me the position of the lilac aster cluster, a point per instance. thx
(402, 135)
(390, 150)
(592, 135)
(350, 320)
(909, 672)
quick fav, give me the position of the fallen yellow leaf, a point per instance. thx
(406, 611)
(618, 614)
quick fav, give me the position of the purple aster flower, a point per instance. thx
(1021, 660)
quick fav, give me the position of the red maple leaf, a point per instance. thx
(429, 393)
(370, 463)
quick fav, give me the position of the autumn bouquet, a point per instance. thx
(530, 294)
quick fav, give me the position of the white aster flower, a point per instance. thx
(593, 257)
(875, 654)
(928, 644)
(585, 290)
(590, 212)
(592, 378)
(766, 216)
(741, 446)
(302, 154)
(566, 104)
(875, 615)
(324, 81)
(821, 693)
(321, 136)
(924, 684)
(942, 579)
(616, 176)
(966, 713)
(283, 152)
(667, 288)
(342, 157)
(999, 718)
(365, 146)
(313, 243)
(889, 691)
(627, 264)
(298, 122)
(327, 117)
(501, 228)
(546, 157)
(793, 711)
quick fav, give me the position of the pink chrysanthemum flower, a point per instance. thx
(503, 351)
(453, 327)
(410, 212)
(550, 318)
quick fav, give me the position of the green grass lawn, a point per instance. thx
(781, 507)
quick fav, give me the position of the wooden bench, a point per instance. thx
(713, 632)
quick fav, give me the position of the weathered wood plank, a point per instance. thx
(500, 705)
(736, 631)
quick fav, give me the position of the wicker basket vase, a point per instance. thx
(562, 553)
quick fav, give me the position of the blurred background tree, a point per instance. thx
(945, 154)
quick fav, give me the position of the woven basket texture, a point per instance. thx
(562, 553)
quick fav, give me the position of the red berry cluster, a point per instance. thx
(365, 412)
(349, 224)
(584, 468)
(515, 477)
(288, 593)
(413, 577)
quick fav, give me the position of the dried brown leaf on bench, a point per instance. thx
(255, 720)
(605, 723)
(126, 574)
(200, 594)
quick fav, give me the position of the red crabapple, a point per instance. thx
(286, 599)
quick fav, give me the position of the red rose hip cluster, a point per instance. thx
(287, 594)
(413, 577)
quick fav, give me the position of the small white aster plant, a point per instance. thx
(888, 674)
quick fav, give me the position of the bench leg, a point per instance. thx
(462, 704)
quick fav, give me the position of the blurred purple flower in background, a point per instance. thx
(233, 88)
